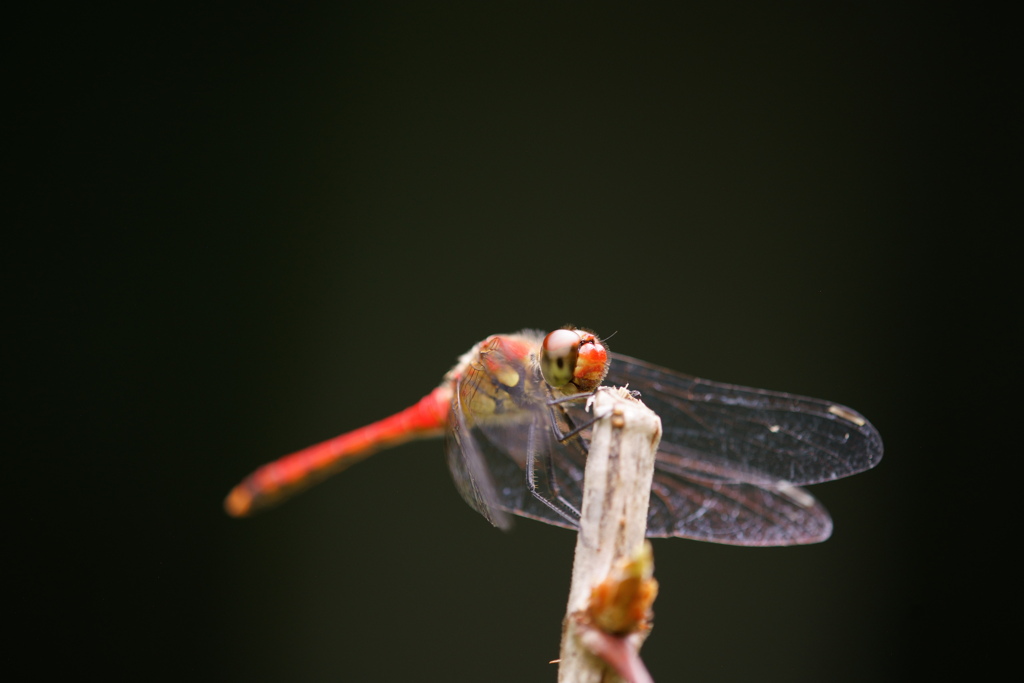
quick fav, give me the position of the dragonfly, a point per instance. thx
(730, 467)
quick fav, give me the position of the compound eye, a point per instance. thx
(558, 356)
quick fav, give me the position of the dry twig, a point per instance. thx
(613, 523)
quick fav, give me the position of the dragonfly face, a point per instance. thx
(573, 357)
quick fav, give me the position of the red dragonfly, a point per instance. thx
(516, 429)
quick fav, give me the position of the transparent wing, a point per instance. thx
(470, 469)
(558, 471)
(489, 452)
(698, 496)
(730, 457)
(727, 468)
(707, 500)
(759, 435)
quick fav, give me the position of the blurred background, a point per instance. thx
(238, 231)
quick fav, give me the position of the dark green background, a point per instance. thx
(256, 228)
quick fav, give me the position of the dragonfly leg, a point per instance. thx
(564, 436)
(555, 488)
(562, 428)
(571, 397)
(553, 498)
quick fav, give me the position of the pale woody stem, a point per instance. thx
(613, 523)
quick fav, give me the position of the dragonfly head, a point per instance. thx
(573, 356)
